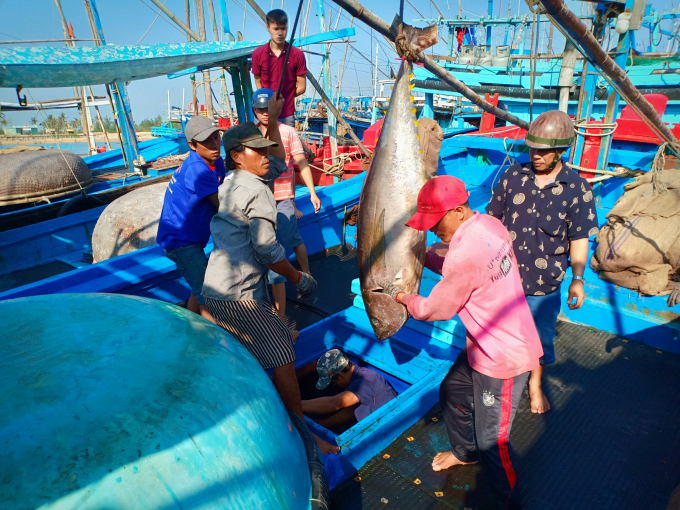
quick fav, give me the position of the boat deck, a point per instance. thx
(609, 442)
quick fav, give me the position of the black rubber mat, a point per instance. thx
(334, 271)
(610, 441)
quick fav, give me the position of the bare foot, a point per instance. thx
(445, 460)
(539, 403)
(326, 447)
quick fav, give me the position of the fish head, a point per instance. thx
(385, 314)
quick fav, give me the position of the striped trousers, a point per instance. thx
(478, 411)
(258, 327)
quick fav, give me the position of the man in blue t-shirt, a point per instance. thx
(189, 205)
(365, 392)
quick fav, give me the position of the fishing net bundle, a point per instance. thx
(639, 247)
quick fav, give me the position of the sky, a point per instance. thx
(132, 22)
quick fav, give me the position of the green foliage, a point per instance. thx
(109, 124)
(56, 124)
(147, 124)
(4, 121)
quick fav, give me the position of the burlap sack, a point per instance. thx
(639, 247)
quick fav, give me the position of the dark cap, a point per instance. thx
(198, 129)
(247, 134)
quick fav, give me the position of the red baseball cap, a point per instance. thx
(437, 197)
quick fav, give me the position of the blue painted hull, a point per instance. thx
(146, 272)
(91, 426)
(151, 150)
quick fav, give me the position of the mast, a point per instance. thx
(216, 35)
(566, 74)
(327, 83)
(192, 76)
(381, 26)
(374, 115)
(122, 111)
(207, 82)
(77, 90)
(572, 28)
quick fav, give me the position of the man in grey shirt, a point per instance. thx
(245, 245)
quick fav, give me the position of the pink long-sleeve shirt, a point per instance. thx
(481, 283)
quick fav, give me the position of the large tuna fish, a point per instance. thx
(388, 250)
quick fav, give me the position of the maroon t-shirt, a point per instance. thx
(269, 67)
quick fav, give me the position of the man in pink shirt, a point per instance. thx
(481, 283)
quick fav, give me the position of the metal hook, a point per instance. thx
(22, 101)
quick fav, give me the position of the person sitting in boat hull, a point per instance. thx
(366, 391)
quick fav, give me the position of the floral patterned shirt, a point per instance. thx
(542, 222)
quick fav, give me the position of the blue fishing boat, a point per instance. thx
(628, 348)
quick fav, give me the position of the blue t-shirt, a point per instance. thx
(372, 390)
(187, 211)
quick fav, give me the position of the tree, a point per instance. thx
(50, 123)
(109, 125)
(34, 121)
(75, 124)
(4, 121)
(147, 124)
(62, 123)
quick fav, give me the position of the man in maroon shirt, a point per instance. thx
(268, 62)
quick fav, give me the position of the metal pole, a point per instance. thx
(359, 11)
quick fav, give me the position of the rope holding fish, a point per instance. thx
(402, 46)
(410, 41)
(657, 167)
